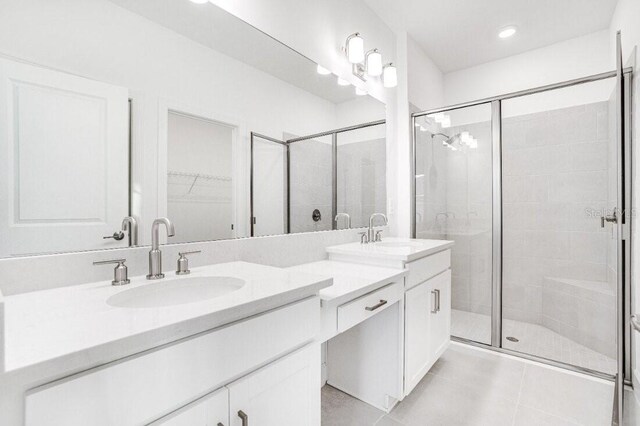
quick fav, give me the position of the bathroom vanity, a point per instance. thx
(121, 359)
(425, 296)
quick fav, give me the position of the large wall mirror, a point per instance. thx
(148, 108)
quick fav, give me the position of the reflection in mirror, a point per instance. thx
(157, 122)
(200, 178)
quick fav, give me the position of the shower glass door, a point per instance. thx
(559, 179)
(453, 178)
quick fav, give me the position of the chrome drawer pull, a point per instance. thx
(244, 417)
(376, 306)
(436, 301)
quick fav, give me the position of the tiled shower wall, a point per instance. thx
(361, 182)
(310, 185)
(362, 185)
(555, 186)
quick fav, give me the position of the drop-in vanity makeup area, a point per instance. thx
(262, 213)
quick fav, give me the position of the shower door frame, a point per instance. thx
(623, 346)
(287, 143)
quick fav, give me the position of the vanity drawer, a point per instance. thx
(358, 310)
(427, 267)
(145, 387)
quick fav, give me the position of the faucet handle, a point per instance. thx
(379, 236)
(364, 237)
(183, 262)
(120, 273)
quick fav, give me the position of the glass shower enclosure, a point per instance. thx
(527, 186)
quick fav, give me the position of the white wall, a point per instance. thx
(578, 57)
(426, 81)
(318, 30)
(626, 19)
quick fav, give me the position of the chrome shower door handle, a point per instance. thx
(635, 323)
(613, 218)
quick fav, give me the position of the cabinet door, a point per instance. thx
(417, 334)
(285, 392)
(440, 314)
(211, 410)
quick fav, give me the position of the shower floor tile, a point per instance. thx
(532, 339)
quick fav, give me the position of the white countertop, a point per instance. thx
(76, 327)
(414, 249)
(350, 280)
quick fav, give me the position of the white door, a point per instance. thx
(211, 410)
(64, 161)
(285, 392)
(417, 324)
(440, 314)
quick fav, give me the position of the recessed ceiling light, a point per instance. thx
(507, 32)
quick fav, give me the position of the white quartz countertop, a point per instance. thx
(402, 249)
(350, 280)
(76, 328)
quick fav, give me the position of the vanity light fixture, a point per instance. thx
(355, 48)
(369, 64)
(360, 92)
(507, 32)
(343, 82)
(390, 75)
(373, 63)
(322, 70)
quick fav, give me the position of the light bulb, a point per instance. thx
(466, 138)
(343, 82)
(323, 71)
(438, 117)
(390, 75)
(355, 48)
(373, 63)
(507, 32)
(360, 92)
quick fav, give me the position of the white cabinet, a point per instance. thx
(417, 326)
(211, 410)
(440, 324)
(427, 326)
(285, 392)
(150, 386)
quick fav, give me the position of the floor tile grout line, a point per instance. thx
(524, 372)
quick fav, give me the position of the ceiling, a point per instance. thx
(213, 27)
(458, 34)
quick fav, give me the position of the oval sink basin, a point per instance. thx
(397, 244)
(175, 292)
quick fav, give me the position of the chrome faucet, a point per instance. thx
(371, 233)
(346, 215)
(130, 224)
(155, 255)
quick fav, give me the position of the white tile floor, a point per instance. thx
(533, 339)
(470, 386)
